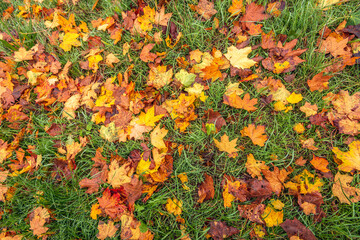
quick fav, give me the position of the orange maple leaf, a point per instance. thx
(256, 134)
(319, 82)
(246, 103)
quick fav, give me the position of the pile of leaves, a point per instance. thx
(148, 109)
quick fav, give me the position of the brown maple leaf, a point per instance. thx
(253, 13)
(206, 189)
(38, 218)
(343, 190)
(205, 9)
(252, 212)
(277, 178)
(297, 229)
(219, 230)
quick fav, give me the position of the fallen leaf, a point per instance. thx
(206, 189)
(38, 218)
(219, 230)
(146, 55)
(157, 136)
(319, 82)
(309, 109)
(349, 160)
(238, 57)
(309, 144)
(69, 40)
(205, 9)
(107, 229)
(256, 134)
(320, 164)
(299, 128)
(273, 214)
(254, 167)
(227, 146)
(174, 206)
(343, 190)
(297, 229)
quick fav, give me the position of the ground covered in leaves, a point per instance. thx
(178, 119)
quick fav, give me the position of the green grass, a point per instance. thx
(70, 206)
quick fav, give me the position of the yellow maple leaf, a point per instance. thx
(304, 183)
(69, 40)
(93, 62)
(174, 206)
(107, 230)
(227, 146)
(149, 118)
(157, 136)
(294, 98)
(299, 128)
(119, 175)
(23, 55)
(95, 211)
(238, 57)
(70, 106)
(254, 167)
(236, 7)
(273, 214)
(349, 160)
(159, 77)
(256, 134)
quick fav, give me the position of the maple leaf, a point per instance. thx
(110, 59)
(252, 212)
(38, 218)
(299, 128)
(343, 190)
(157, 136)
(110, 205)
(256, 134)
(276, 178)
(159, 77)
(235, 101)
(3, 191)
(119, 175)
(206, 189)
(309, 109)
(149, 118)
(335, 45)
(254, 13)
(174, 206)
(185, 78)
(219, 230)
(161, 18)
(93, 62)
(294, 228)
(5, 151)
(146, 55)
(304, 183)
(273, 214)
(70, 106)
(238, 57)
(227, 146)
(294, 98)
(91, 184)
(130, 229)
(95, 211)
(319, 82)
(349, 160)
(309, 144)
(320, 164)
(109, 132)
(23, 55)
(107, 229)
(69, 40)
(254, 167)
(236, 7)
(205, 9)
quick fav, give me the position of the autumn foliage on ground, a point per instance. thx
(232, 139)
